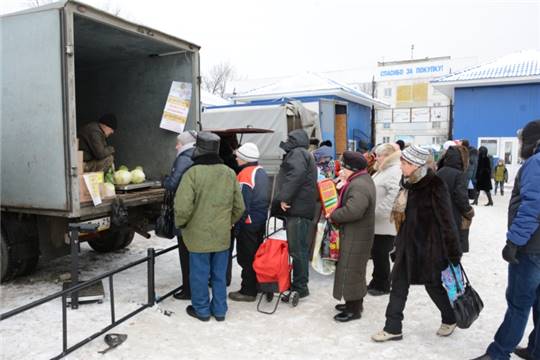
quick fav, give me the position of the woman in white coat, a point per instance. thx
(386, 181)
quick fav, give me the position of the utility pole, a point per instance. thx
(412, 51)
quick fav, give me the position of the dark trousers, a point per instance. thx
(248, 241)
(382, 245)
(398, 299)
(497, 184)
(488, 194)
(229, 262)
(183, 254)
(298, 239)
(522, 294)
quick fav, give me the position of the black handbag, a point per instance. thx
(165, 222)
(468, 305)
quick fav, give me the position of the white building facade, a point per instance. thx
(419, 113)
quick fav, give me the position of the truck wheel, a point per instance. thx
(11, 266)
(111, 240)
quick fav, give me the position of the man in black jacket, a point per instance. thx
(295, 200)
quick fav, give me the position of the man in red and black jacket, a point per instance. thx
(250, 229)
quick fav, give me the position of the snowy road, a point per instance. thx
(305, 332)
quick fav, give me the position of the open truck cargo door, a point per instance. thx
(33, 118)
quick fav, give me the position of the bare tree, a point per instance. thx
(217, 78)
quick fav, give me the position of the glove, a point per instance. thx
(509, 252)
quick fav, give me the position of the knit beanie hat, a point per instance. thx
(530, 137)
(447, 144)
(109, 120)
(187, 137)
(207, 144)
(248, 152)
(354, 161)
(415, 155)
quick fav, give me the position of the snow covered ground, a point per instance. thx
(305, 332)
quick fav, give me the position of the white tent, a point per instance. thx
(209, 99)
(281, 118)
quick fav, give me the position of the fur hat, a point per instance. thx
(207, 143)
(187, 137)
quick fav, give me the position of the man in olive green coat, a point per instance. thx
(208, 203)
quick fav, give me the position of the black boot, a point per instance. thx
(523, 353)
(352, 311)
(490, 200)
(477, 195)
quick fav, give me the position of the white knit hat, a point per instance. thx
(415, 155)
(248, 152)
(187, 137)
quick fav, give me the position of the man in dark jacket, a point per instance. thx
(185, 143)
(97, 153)
(452, 170)
(250, 229)
(522, 251)
(295, 200)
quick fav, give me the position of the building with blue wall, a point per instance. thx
(493, 101)
(345, 114)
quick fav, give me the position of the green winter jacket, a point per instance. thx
(208, 203)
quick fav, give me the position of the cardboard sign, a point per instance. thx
(328, 195)
(176, 109)
(92, 181)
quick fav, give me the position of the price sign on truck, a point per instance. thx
(177, 107)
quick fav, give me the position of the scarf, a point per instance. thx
(397, 215)
(347, 183)
(185, 148)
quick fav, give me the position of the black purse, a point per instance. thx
(165, 222)
(467, 306)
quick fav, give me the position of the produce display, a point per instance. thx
(123, 176)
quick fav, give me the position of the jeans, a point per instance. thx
(203, 266)
(521, 294)
(382, 245)
(248, 241)
(297, 237)
(497, 184)
(398, 299)
(533, 347)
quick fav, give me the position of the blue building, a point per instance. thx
(493, 101)
(344, 113)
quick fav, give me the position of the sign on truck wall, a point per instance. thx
(176, 109)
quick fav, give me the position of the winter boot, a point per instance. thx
(352, 311)
(490, 200)
(475, 202)
(446, 330)
(238, 296)
(523, 353)
(383, 336)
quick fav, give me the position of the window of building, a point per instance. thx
(388, 92)
(436, 124)
(386, 125)
(386, 139)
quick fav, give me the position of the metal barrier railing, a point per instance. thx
(72, 293)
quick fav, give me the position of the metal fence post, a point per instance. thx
(151, 278)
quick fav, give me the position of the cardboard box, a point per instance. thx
(80, 163)
(84, 194)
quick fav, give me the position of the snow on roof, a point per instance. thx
(521, 67)
(309, 84)
(209, 99)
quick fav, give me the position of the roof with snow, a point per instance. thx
(309, 85)
(518, 68)
(209, 99)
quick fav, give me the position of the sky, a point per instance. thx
(286, 37)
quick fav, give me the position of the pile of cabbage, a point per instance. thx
(125, 177)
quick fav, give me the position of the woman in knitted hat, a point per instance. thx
(426, 240)
(355, 216)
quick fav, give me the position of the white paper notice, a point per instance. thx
(177, 107)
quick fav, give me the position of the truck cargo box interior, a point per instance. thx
(130, 75)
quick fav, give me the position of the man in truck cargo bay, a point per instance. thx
(97, 153)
